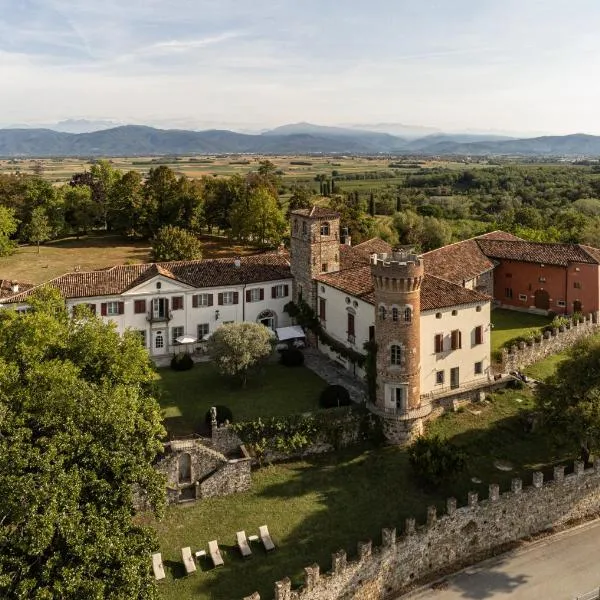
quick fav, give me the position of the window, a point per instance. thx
(177, 303)
(322, 311)
(407, 314)
(478, 309)
(351, 333)
(438, 315)
(159, 340)
(577, 285)
(324, 267)
(371, 332)
(479, 334)
(139, 307)
(400, 398)
(456, 340)
(439, 377)
(175, 333)
(395, 354)
(324, 228)
(523, 297)
(255, 295)
(394, 314)
(382, 312)
(228, 298)
(438, 342)
(454, 313)
(92, 308)
(561, 303)
(203, 330)
(542, 279)
(160, 308)
(112, 309)
(478, 368)
(508, 293)
(158, 285)
(202, 300)
(280, 291)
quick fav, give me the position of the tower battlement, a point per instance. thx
(398, 272)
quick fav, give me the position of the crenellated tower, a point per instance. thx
(314, 249)
(397, 279)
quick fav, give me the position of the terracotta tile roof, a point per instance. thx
(319, 212)
(538, 252)
(435, 292)
(457, 262)
(498, 235)
(350, 257)
(374, 246)
(6, 286)
(199, 274)
(594, 252)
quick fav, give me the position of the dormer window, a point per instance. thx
(324, 228)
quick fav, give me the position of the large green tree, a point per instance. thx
(570, 400)
(38, 229)
(174, 243)
(79, 431)
(8, 227)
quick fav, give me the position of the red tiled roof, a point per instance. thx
(6, 287)
(319, 212)
(538, 252)
(499, 235)
(374, 246)
(435, 292)
(199, 274)
(350, 257)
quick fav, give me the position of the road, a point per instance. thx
(557, 568)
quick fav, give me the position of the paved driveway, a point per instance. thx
(557, 568)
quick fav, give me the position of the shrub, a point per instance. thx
(182, 362)
(223, 414)
(334, 396)
(435, 460)
(292, 357)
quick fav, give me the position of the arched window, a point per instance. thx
(185, 468)
(382, 313)
(394, 314)
(408, 314)
(324, 228)
(395, 354)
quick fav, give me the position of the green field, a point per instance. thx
(276, 390)
(508, 324)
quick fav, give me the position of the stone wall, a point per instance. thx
(231, 478)
(459, 537)
(551, 342)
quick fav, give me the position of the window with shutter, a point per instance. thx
(479, 334)
(439, 342)
(236, 297)
(103, 309)
(139, 307)
(195, 301)
(220, 298)
(92, 308)
(121, 308)
(456, 341)
(177, 302)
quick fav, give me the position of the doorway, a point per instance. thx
(159, 344)
(577, 306)
(454, 378)
(267, 318)
(541, 299)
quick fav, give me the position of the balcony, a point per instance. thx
(399, 415)
(351, 338)
(159, 317)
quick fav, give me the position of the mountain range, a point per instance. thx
(299, 138)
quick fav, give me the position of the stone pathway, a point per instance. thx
(335, 374)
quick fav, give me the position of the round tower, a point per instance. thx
(397, 279)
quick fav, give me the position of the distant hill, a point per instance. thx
(299, 138)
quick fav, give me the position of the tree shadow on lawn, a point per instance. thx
(362, 490)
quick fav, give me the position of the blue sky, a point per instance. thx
(507, 65)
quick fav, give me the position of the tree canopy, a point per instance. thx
(174, 243)
(79, 431)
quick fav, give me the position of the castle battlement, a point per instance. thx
(460, 536)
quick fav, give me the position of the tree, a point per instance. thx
(300, 198)
(38, 229)
(570, 400)
(79, 431)
(81, 212)
(434, 460)
(128, 210)
(435, 233)
(238, 347)
(8, 227)
(174, 243)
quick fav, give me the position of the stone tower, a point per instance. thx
(314, 248)
(397, 279)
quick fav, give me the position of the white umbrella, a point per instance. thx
(185, 339)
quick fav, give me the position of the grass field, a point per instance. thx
(94, 252)
(317, 506)
(511, 323)
(277, 390)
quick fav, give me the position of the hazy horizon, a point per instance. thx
(518, 67)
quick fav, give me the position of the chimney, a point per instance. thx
(237, 262)
(14, 287)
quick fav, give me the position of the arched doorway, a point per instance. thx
(267, 318)
(577, 306)
(542, 299)
(185, 468)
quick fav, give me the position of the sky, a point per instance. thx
(479, 65)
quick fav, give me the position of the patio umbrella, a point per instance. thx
(185, 339)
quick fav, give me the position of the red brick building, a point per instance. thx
(561, 278)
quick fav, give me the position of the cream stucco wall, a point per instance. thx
(467, 318)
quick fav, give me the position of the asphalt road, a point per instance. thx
(557, 568)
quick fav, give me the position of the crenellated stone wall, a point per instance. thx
(455, 539)
(551, 342)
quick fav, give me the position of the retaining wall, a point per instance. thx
(459, 537)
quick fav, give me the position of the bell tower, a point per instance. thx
(397, 279)
(314, 249)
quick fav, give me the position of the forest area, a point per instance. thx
(422, 207)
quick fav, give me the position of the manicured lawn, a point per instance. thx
(511, 323)
(277, 390)
(545, 368)
(317, 506)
